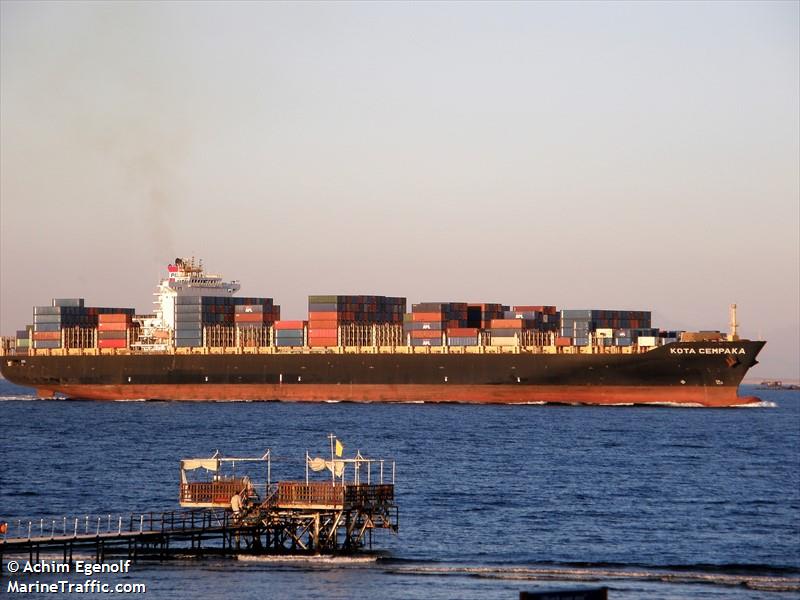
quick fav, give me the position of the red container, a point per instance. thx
(462, 331)
(114, 318)
(290, 324)
(322, 341)
(47, 335)
(112, 326)
(112, 344)
(563, 341)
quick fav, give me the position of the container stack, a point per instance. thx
(256, 315)
(23, 340)
(543, 318)
(508, 332)
(193, 313)
(579, 325)
(327, 313)
(463, 336)
(429, 320)
(289, 333)
(67, 313)
(112, 330)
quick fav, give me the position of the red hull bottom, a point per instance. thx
(489, 394)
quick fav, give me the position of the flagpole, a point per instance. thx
(333, 464)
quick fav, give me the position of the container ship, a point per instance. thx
(203, 342)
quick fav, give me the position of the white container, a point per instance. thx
(647, 341)
(504, 341)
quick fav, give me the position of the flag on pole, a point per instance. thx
(339, 448)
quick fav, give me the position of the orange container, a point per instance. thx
(426, 334)
(319, 324)
(426, 316)
(507, 323)
(323, 316)
(321, 332)
(112, 326)
(114, 318)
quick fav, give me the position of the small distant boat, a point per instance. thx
(777, 385)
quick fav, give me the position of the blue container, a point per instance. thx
(37, 319)
(322, 307)
(436, 342)
(76, 302)
(252, 325)
(462, 341)
(188, 309)
(288, 343)
(47, 344)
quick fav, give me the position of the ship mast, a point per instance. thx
(734, 335)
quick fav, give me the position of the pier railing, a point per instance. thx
(294, 494)
(368, 495)
(110, 525)
(298, 494)
(212, 492)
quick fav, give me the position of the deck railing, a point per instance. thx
(211, 492)
(366, 494)
(293, 493)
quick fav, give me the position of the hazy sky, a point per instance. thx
(589, 155)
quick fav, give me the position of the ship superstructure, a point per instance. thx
(186, 278)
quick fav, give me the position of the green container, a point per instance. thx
(322, 299)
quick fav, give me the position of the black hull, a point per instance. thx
(705, 373)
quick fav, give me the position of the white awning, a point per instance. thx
(190, 464)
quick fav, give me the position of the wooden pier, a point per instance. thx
(298, 518)
(230, 514)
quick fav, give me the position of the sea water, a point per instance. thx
(652, 502)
